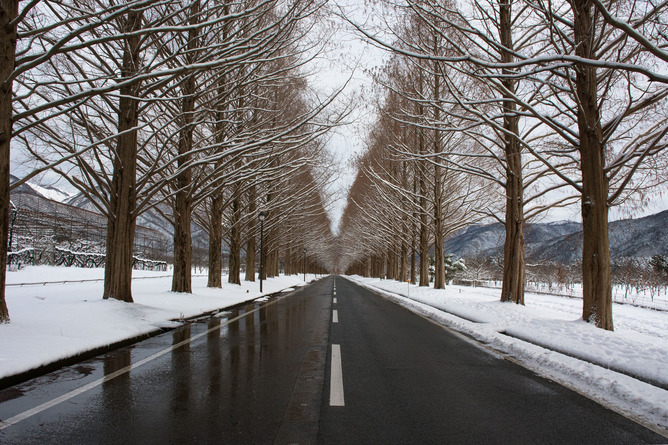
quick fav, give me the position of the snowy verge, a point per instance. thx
(55, 322)
(547, 337)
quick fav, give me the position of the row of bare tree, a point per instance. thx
(497, 109)
(195, 109)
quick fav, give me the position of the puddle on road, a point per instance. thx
(11, 393)
(84, 370)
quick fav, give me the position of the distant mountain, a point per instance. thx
(24, 188)
(477, 240)
(51, 192)
(562, 241)
(150, 219)
(48, 191)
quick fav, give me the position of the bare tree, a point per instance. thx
(608, 119)
(8, 37)
(122, 195)
(385, 198)
(587, 81)
(36, 36)
(106, 169)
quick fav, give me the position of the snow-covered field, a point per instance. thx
(57, 321)
(626, 370)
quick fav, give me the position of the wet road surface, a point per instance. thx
(251, 380)
(408, 381)
(330, 363)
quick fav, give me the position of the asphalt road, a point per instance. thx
(407, 380)
(331, 363)
(251, 376)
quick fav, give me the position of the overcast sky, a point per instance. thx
(347, 60)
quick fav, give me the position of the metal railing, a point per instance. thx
(92, 280)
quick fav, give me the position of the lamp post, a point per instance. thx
(304, 264)
(262, 217)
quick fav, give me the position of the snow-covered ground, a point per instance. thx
(57, 321)
(626, 370)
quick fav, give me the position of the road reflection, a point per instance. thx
(230, 384)
(117, 393)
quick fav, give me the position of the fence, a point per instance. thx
(43, 231)
(648, 297)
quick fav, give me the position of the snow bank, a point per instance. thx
(58, 321)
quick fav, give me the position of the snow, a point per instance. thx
(626, 370)
(57, 321)
(50, 192)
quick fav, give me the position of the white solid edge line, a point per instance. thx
(335, 316)
(336, 382)
(75, 392)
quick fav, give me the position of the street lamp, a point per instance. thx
(262, 216)
(304, 264)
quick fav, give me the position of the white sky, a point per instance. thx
(347, 60)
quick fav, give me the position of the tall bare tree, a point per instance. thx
(122, 195)
(585, 75)
(9, 10)
(48, 34)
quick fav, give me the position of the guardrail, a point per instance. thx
(93, 280)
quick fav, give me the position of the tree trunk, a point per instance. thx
(272, 261)
(183, 250)
(216, 209)
(422, 184)
(8, 12)
(414, 232)
(182, 278)
(250, 258)
(123, 199)
(514, 249)
(215, 242)
(391, 260)
(403, 270)
(263, 257)
(424, 249)
(439, 254)
(424, 229)
(234, 276)
(250, 245)
(290, 266)
(596, 281)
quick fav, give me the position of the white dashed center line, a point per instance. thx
(336, 383)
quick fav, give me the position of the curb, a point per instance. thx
(21, 377)
(650, 381)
